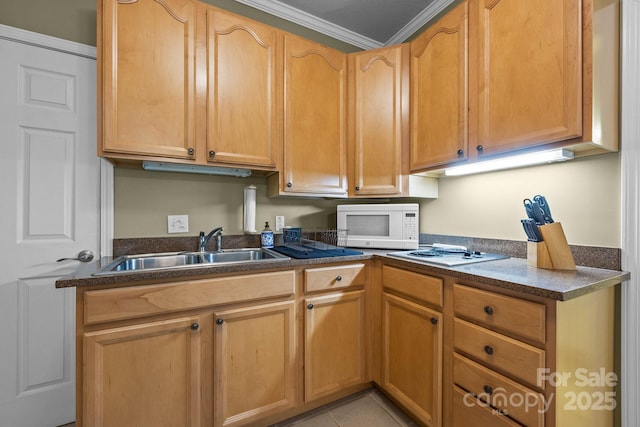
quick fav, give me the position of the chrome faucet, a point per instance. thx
(203, 241)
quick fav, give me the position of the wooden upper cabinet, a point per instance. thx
(146, 77)
(315, 119)
(439, 92)
(529, 59)
(378, 121)
(244, 63)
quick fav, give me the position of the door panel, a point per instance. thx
(245, 71)
(530, 83)
(315, 128)
(50, 193)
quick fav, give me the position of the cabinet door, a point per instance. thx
(529, 72)
(334, 343)
(147, 79)
(245, 73)
(412, 357)
(129, 382)
(378, 84)
(439, 92)
(254, 362)
(315, 145)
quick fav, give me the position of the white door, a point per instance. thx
(49, 209)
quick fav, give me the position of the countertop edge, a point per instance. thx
(475, 272)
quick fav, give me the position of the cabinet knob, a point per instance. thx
(190, 151)
(338, 278)
(310, 306)
(212, 153)
(460, 152)
(434, 320)
(487, 389)
(479, 148)
(195, 326)
(357, 188)
(219, 321)
(289, 184)
(488, 309)
(488, 349)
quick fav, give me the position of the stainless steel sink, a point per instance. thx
(240, 255)
(174, 260)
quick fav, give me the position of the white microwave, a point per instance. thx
(391, 226)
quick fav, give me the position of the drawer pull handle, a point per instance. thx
(219, 322)
(488, 389)
(195, 326)
(434, 320)
(339, 278)
(488, 349)
(310, 306)
(488, 309)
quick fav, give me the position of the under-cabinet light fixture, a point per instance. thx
(201, 169)
(529, 159)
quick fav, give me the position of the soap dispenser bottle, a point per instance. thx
(266, 237)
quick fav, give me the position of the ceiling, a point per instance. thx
(367, 24)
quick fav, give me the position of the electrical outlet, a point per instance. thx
(178, 223)
(279, 223)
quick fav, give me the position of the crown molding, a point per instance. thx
(427, 14)
(307, 20)
(47, 42)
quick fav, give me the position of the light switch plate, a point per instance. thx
(279, 223)
(177, 223)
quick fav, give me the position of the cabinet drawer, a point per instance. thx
(419, 286)
(513, 316)
(521, 403)
(469, 412)
(499, 351)
(336, 277)
(137, 301)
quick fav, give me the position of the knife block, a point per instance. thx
(553, 252)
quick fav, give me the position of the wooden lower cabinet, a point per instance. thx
(255, 349)
(254, 362)
(143, 375)
(412, 357)
(535, 362)
(334, 349)
(469, 411)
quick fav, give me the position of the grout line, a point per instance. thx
(381, 401)
(334, 418)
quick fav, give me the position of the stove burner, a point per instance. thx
(449, 257)
(428, 253)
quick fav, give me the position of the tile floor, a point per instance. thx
(369, 408)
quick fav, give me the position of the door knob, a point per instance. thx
(83, 256)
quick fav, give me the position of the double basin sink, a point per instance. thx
(173, 260)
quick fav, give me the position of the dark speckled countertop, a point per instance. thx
(512, 273)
